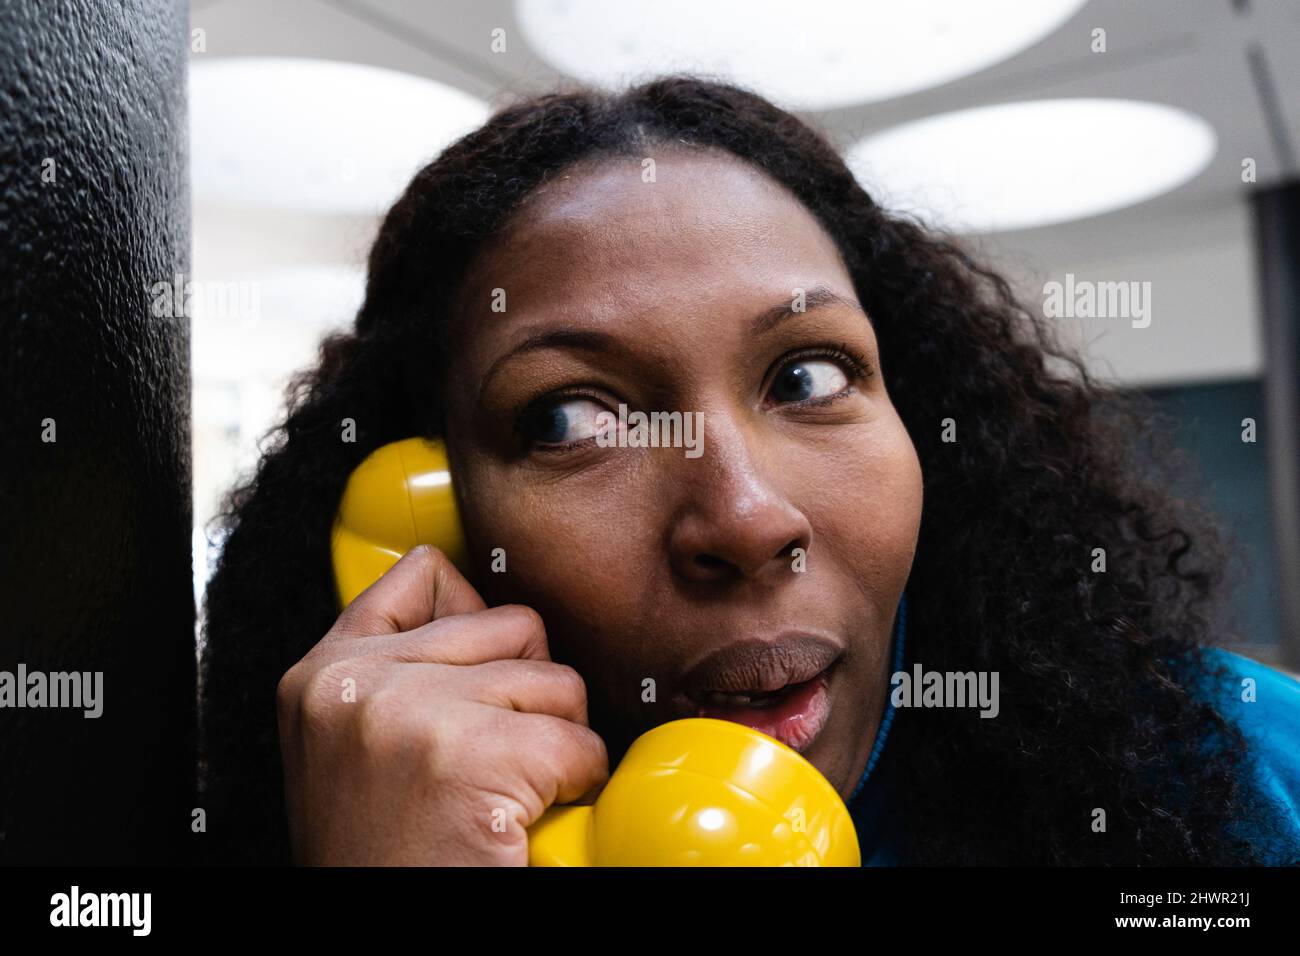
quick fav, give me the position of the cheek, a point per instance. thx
(578, 560)
(870, 513)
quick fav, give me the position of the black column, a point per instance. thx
(95, 508)
(1277, 237)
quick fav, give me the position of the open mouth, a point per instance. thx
(716, 698)
(793, 714)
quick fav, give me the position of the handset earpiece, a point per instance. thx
(400, 496)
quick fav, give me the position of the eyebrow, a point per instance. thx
(815, 298)
(593, 340)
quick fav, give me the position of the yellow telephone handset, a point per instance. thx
(694, 792)
(399, 497)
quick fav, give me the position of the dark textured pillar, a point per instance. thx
(95, 524)
(1277, 237)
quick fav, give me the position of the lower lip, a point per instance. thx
(795, 720)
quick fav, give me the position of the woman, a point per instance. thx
(885, 431)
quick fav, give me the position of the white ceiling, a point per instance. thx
(1193, 244)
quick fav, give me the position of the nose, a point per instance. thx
(734, 522)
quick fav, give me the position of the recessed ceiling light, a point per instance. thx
(815, 54)
(1019, 165)
(316, 135)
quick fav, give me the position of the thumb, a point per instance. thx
(422, 586)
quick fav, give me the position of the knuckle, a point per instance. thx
(570, 681)
(389, 727)
(594, 746)
(526, 619)
(573, 743)
(287, 690)
(329, 679)
(321, 690)
(379, 723)
(444, 752)
(599, 748)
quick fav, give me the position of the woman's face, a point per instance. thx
(770, 554)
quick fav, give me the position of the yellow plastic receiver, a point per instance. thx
(703, 792)
(400, 496)
(693, 792)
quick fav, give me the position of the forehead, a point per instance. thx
(600, 239)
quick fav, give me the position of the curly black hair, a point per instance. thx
(1096, 669)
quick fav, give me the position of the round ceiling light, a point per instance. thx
(817, 54)
(1034, 163)
(317, 135)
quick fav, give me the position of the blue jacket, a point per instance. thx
(1270, 722)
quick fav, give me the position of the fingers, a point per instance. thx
(499, 633)
(525, 686)
(534, 687)
(571, 760)
(422, 586)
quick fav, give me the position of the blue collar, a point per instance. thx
(900, 634)
(874, 818)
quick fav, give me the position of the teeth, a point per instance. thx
(739, 700)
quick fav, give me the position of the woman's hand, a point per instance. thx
(426, 729)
